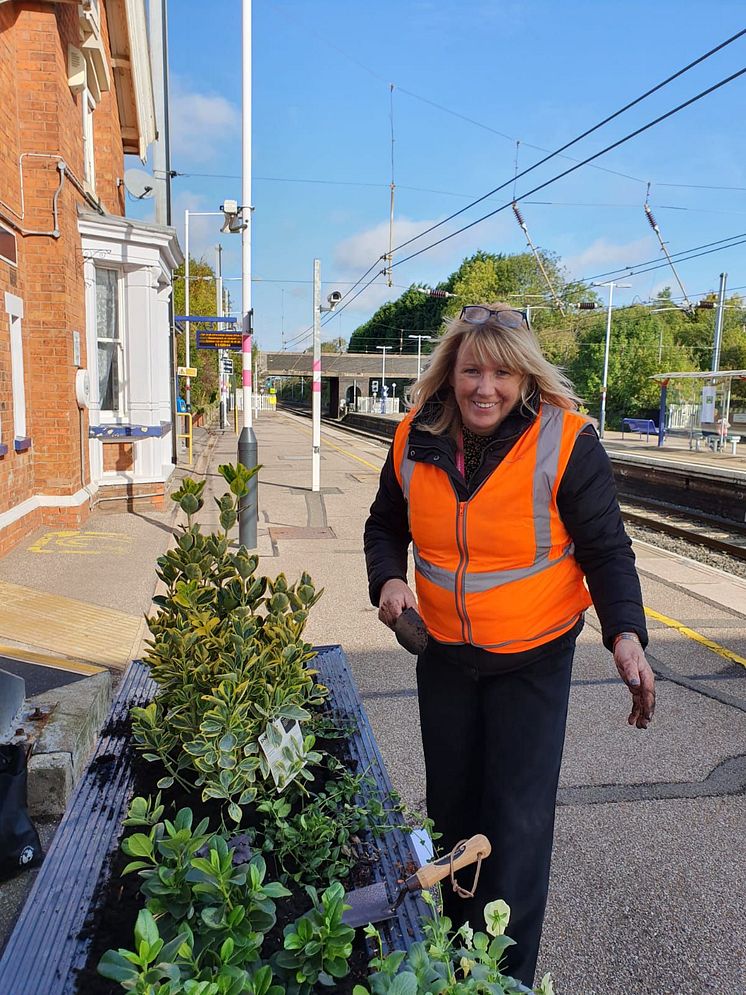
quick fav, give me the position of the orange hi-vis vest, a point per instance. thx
(496, 571)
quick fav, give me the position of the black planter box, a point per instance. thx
(46, 949)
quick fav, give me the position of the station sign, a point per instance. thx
(186, 371)
(219, 339)
(226, 365)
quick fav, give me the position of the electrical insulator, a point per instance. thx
(650, 218)
(519, 216)
(439, 293)
(587, 305)
(706, 305)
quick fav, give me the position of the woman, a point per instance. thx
(509, 500)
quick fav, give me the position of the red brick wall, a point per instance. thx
(39, 113)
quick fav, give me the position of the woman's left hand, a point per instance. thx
(637, 674)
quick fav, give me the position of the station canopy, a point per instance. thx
(703, 375)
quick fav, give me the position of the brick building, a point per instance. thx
(85, 360)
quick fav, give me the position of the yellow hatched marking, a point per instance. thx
(697, 637)
(81, 542)
(72, 628)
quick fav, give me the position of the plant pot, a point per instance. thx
(48, 945)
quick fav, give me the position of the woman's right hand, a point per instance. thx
(396, 595)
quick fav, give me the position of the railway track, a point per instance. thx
(664, 512)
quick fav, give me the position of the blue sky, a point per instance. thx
(537, 71)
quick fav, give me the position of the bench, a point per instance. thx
(641, 425)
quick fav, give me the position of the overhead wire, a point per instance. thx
(694, 248)
(571, 169)
(583, 135)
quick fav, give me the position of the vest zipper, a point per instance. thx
(461, 570)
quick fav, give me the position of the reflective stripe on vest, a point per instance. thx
(545, 478)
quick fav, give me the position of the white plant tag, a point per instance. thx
(282, 747)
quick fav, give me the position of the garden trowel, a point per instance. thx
(372, 903)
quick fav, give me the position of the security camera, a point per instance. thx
(233, 217)
(334, 298)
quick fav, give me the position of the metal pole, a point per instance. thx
(158, 36)
(719, 324)
(419, 354)
(604, 383)
(188, 391)
(222, 379)
(247, 449)
(316, 389)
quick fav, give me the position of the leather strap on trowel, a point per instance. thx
(467, 852)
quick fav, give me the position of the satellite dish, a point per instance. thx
(139, 184)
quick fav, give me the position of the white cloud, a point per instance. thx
(603, 253)
(355, 254)
(200, 123)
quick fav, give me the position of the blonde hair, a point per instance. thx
(514, 349)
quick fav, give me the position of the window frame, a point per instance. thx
(117, 414)
(88, 104)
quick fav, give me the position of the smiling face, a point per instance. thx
(485, 393)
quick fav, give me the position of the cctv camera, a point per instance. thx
(334, 298)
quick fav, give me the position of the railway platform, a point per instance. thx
(648, 880)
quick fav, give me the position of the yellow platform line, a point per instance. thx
(345, 452)
(42, 659)
(696, 636)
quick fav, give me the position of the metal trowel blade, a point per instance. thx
(368, 904)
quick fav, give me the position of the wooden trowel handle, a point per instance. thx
(436, 870)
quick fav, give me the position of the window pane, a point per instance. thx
(107, 319)
(108, 376)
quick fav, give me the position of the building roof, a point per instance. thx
(703, 375)
(130, 62)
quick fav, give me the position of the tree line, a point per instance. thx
(658, 337)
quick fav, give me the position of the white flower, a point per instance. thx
(547, 985)
(496, 917)
(467, 934)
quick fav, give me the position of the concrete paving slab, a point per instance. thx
(648, 898)
(601, 748)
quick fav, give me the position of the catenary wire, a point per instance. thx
(647, 262)
(571, 169)
(578, 138)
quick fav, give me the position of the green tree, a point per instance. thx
(642, 344)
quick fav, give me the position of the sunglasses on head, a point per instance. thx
(476, 314)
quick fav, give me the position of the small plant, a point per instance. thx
(153, 962)
(459, 964)
(316, 844)
(317, 947)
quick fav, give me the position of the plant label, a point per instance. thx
(283, 749)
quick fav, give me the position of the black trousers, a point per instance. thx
(493, 747)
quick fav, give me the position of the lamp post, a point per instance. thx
(427, 338)
(187, 342)
(602, 419)
(248, 507)
(384, 349)
(334, 298)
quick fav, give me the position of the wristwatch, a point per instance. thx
(625, 635)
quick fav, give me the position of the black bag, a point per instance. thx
(20, 847)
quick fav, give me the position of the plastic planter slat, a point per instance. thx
(45, 946)
(398, 857)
